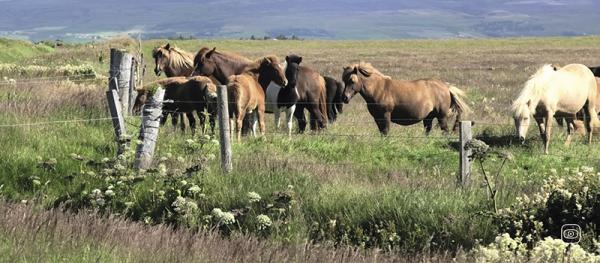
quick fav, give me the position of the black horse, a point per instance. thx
(335, 105)
(596, 71)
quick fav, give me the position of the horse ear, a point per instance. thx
(299, 60)
(355, 70)
(168, 46)
(209, 53)
(269, 60)
(287, 59)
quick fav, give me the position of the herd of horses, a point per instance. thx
(268, 85)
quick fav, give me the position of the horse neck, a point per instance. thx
(227, 66)
(182, 69)
(372, 86)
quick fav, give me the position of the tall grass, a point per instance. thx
(352, 186)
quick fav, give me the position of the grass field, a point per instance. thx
(348, 185)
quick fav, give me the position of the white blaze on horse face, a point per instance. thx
(522, 125)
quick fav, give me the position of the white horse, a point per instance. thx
(552, 91)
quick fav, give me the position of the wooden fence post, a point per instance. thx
(151, 114)
(114, 106)
(120, 68)
(132, 86)
(224, 129)
(465, 163)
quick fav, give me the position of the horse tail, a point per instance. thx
(323, 101)
(457, 102)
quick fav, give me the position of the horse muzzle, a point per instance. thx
(157, 72)
(345, 99)
(522, 140)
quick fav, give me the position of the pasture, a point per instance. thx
(346, 185)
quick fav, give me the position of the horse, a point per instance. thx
(403, 102)
(335, 104)
(310, 84)
(187, 94)
(595, 70)
(174, 62)
(278, 98)
(247, 95)
(552, 91)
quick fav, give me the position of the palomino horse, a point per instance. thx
(188, 95)
(175, 62)
(551, 91)
(247, 95)
(403, 102)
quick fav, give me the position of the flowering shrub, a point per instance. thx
(570, 199)
(507, 249)
(173, 193)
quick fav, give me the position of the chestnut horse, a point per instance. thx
(188, 95)
(551, 91)
(246, 95)
(310, 84)
(403, 102)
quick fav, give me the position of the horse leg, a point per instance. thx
(548, 132)
(260, 113)
(239, 123)
(276, 113)
(299, 114)
(443, 121)
(289, 112)
(428, 124)
(192, 120)
(570, 127)
(253, 118)
(590, 112)
(383, 123)
(316, 121)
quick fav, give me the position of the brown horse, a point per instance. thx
(403, 102)
(310, 84)
(247, 95)
(175, 62)
(188, 95)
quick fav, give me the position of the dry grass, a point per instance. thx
(31, 235)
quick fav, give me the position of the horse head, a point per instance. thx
(291, 69)
(140, 100)
(204, 65)
(522, 118)
(270, 68)
(161, 56)
(353, 83)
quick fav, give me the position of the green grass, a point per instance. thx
(351, 185)
(17, 50)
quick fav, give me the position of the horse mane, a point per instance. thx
(532, 90)
(368, 70)
(178, 58)
(254, 66)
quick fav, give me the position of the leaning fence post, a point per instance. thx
(224, 129)
(132, 86)
(120, 68)
(151, 114)
(114, 106)
(465, 163)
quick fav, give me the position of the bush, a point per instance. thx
(570, 199)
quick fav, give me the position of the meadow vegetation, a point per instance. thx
(345, 187)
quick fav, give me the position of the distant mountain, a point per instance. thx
(337, 19)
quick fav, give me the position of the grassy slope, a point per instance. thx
(352, 179)
(16, 50)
